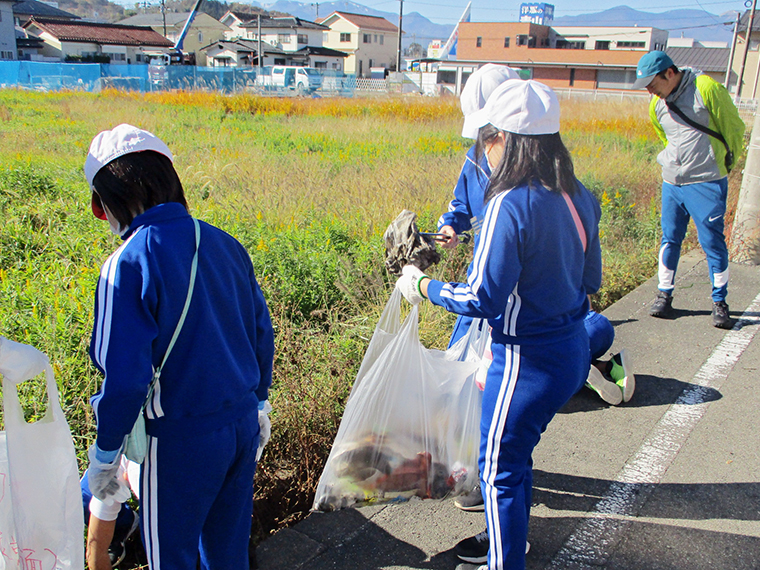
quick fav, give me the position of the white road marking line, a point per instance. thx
(589, 545)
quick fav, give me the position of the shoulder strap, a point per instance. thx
(695, 125)
(178, 329)
(577, 219)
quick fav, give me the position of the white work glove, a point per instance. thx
(265, 427)
(409, 284)
(19, 362)
(105, 480)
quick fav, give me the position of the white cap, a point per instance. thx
(478, 88)
(121, 140)
(521, 107)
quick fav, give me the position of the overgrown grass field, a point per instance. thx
(308, 186)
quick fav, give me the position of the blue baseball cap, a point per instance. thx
(650, 65)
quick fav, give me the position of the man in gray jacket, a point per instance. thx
(703, 136)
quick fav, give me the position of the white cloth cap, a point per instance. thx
(521, 107)
(121, 140)
(477, 89)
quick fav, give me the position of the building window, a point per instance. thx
(382, 39)
(479, 41)
(6, 55)
(630, 44)
(336, 66)
(283, 38)
(367, 38)
(320, 64)
(565, 44)
(506, 42)
(572, 77)
(325, 37)
(375, 38)
(525, 40)
(605, 44)
(545, 42)
(138, 57)
(345, 37)
(303, 39)
(279, 61)
(200, 37)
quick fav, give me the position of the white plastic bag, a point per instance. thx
(44, 487)
(411, 426)
(475, 346)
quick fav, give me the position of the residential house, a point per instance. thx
(7, 31)
(204, 30)
(245, 53)
(233, 19)
(323, 58)
(369, 41)
(26, 9)
(710, 61)
(79, 40)
(287, 33)
(569, 57)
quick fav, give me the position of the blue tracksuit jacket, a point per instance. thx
(221, 364)
(467, 207)
(530, 275)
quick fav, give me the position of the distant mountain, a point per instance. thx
(417, 28)
(696, 24)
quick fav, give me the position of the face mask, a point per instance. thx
(114, 225)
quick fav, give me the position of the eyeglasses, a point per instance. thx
(97, 207)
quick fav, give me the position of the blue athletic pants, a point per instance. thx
(705, 202)
(196, 497)
(525, 387)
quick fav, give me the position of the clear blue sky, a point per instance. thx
(449, 11)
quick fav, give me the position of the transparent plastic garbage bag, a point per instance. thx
(411, 426)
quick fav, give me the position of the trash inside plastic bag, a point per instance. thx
(411, 426)
(404, 245)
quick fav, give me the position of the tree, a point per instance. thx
(415, 50)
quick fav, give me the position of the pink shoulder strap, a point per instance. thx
(576, 219)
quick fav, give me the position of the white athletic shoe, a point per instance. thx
(609, 391)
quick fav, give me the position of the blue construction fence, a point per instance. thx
(93, 77)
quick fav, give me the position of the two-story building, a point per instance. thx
(7, 31)
(89, 41)
(369, 41)
(244, 53)
(203, 30)
(569, 57)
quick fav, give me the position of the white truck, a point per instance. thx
(302, 80)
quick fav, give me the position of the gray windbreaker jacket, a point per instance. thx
(690, 155)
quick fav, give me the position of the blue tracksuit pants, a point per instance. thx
(525, 387)
(196, 496)
(705, 202)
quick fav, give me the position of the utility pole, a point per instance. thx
(163, 13)
(258, 35)
(400, 22)
(727, 82)
(746, 49)
(745, 236)
(316, 5)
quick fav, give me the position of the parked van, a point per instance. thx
(300, 79)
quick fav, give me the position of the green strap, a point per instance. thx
(178, 329)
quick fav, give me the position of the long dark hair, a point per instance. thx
(528, 157)
(134, 182)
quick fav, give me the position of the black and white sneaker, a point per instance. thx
(117, 550)
(474, 549)
(720, 316)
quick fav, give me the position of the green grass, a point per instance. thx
(308, 187)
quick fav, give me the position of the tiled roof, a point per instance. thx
(701, 58)
(247, 45)
(289, 22)
(111, 34)
(176, 19)
(367, 22)
(326, 52)
(29, 8)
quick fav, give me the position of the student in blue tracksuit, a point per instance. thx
(207, 410)
(537, 259)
